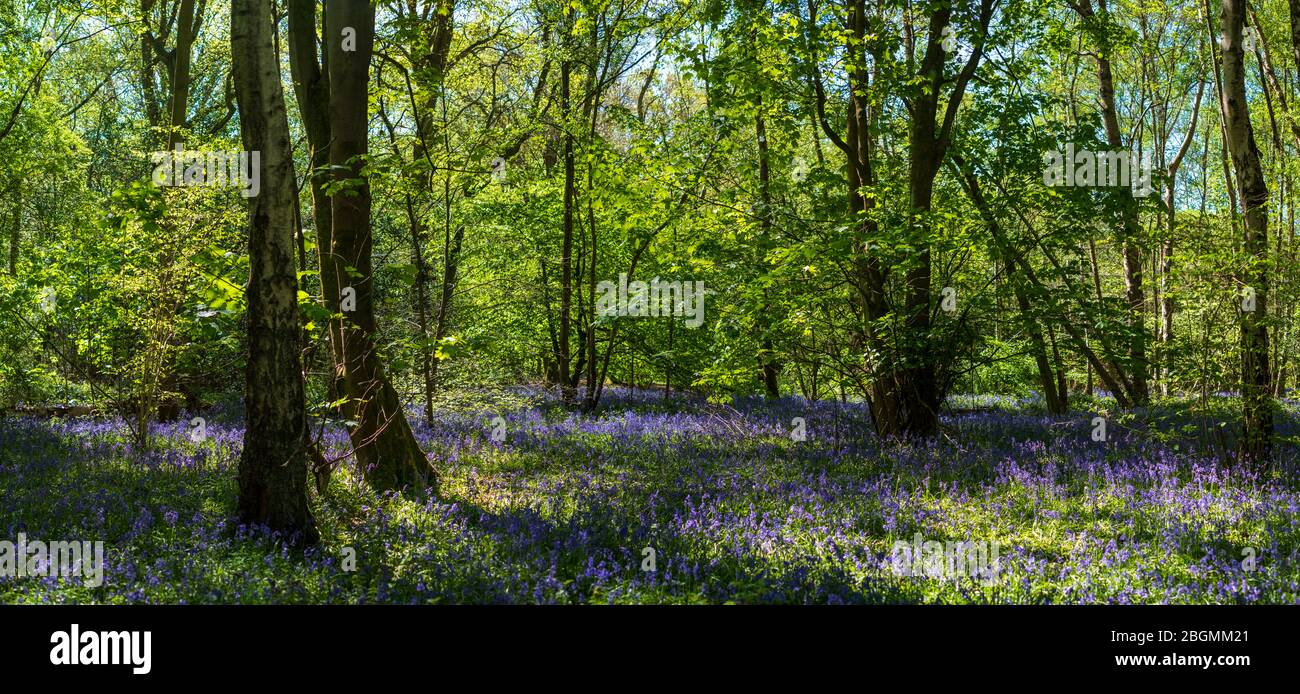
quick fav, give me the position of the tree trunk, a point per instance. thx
(1167, 250)
(1062, 388)
(186, 27)
(1257, 403)
(1056, 404)
(16, 228)
(567, 392)
(905, 391)
(311, 86)
(1294, 9)
(386, 449)
(767, 359)
(430, 60)
(1133, 289)
(273, 464)
(870, 276)
(450, 272)
(148, 81)
(920, 392)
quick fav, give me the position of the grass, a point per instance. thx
(568, 508)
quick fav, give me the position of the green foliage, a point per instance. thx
(666, 102)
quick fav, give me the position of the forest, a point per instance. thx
(649, 301)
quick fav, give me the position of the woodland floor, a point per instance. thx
(735, 510)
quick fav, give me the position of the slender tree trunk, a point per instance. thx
(1294, 13)
(770, 365)
(1062, 388)
(427, 361)
(148, 81)
(1133, 289)
(1007, 250)
(668, 366)
(450, 275)
(1167, 250)
(593, 387)
(1055, 404)
(870, 276)
(437, 24)
(1257, 404)
(567, 392)
(273, 464)
(1224, 159)
(311, 87)
(185, 29)
(16, 228)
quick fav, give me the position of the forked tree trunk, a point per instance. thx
(920, 391)
(905, 388)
